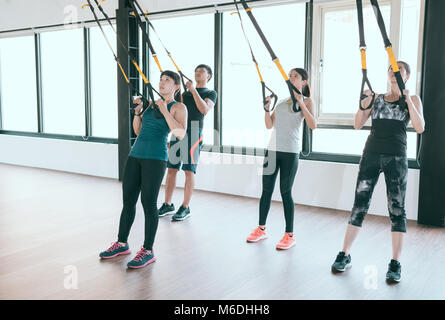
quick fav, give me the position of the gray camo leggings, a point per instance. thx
(395, 169)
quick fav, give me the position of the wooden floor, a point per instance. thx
(50, 221)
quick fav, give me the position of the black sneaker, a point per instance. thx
(342, 262)
(394, 271)
(182, 214)
(166, 209)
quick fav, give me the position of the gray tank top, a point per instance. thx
(285, 136)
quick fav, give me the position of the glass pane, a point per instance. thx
(409, 35)
(18, 84)
(103, 84)
(349, 141)
(63, 82)
(342, 141)
(242, 112)
(190, 40)
(341, 66)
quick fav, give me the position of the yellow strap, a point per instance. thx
(141, 73)
(280, 67)
(363, 54)
(125, 76)
(392, 59)
(248, 9)
(85, 5)
(259, 73)
(157, 62)
(177, 68)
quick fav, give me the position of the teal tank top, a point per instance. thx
(151, 142)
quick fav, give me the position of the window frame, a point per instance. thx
(347, 119)
(312, 59)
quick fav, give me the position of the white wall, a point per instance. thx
(322, 184)
(96, 159)
(318, 183)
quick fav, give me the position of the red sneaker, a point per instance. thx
(286, 242)
(257, 235)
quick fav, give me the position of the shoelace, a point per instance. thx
(164, 205)
(141, 254)
(393, 267)
(340, 257)
(114, 247)
(258, 231)
(285, 238)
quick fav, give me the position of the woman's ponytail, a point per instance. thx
(306, 91)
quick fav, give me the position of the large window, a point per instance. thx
(242, 111)
(409, 41)
(339, 67)
(190, 40)
(63, 82)
(18, 84)
(335, 71)
(103, 84)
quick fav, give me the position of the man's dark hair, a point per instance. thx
(209, 70)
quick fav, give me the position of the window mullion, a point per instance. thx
(38, 57)
(87, 79)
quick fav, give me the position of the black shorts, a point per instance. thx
(185, 153)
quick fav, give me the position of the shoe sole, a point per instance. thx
(285, 248)
(393, 280)
(144, 265)
(257, 240)
(117, 254)
(182, 218)
(348, 266)
(166, 214)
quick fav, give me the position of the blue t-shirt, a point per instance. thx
(151, 142)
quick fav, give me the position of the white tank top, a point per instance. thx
(285, 136)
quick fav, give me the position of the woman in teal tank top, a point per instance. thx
(146, 165)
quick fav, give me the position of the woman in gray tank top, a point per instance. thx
(282, 155)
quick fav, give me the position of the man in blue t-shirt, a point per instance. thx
(185, 153)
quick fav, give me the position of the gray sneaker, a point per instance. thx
(394, 271)
(342, 262)
(166, 209)
(182, 214)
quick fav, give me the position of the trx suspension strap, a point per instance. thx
(388, 47)
(145, 35)
(146, 103)
(145, 15)
(291, 87)
(263, 85)
(365, 79)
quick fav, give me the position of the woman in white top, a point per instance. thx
(282, 154)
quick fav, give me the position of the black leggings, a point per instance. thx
(395, 169)
(287, 163)
(144, 176)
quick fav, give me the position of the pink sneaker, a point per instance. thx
(257, 235)
(286, 242)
